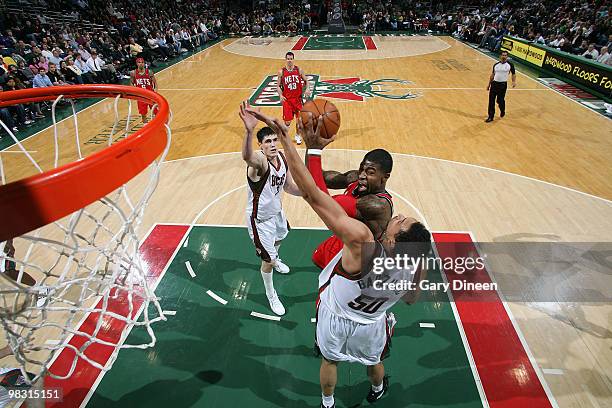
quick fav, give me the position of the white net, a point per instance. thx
(86, 265)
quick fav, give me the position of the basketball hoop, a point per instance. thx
(74, 226)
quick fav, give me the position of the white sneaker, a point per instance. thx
(275, 304)
(391, 322)
(280, 267)
(298, 139)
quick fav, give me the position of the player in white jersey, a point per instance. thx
(351, 319)
(267, 176)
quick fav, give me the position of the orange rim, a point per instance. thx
(35, 201)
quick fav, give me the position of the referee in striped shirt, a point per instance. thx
(498, 83)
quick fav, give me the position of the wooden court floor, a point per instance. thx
(542, 173)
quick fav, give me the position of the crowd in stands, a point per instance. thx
(580, 27)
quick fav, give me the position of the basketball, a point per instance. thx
(321, 107)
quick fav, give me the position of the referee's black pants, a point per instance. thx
(497, 90)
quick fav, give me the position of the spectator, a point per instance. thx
(45, 52)
(135, 49)
(72, 75)
(582, 49)
(256, 28)
(88, 76)
(161, 42)
(84, 53)
(23, 49)
(267, 29)
(604, 56)
(7, 118)
(172, 42)
(41, 63)
(98, 68)
(13, 84)
(591, 52)
(25, 73)
(539, 39)
(55, 76)
(55, 57)
(156, 49)
(186, 39)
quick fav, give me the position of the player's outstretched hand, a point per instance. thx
(249, 120)
(275, 124)
(311, 137)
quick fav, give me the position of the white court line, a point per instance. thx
(186, 243)
(216, 297)
(403, 88)
(427, 325)
(189, 268)
(322, 228)
(552, 371)
(92, 105)
(464, 340)
(207, 89)
(517, 329)
(18, 151)
(332, 55)
(265, 316)
(169, 312)
(430, 158)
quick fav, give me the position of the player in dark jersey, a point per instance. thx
(292, 86)
(364, 198)
(143, 77)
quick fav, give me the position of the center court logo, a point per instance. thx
(344, 89)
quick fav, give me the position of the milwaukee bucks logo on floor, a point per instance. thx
(344, 89)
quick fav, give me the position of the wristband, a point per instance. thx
(314, 152)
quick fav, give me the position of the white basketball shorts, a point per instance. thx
(340, 339)
(266, 233)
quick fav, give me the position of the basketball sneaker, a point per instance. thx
(391, 322)
(374, 396)
(280, 267)
(275, 304)
(298, 139)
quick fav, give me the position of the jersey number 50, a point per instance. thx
(367, 304)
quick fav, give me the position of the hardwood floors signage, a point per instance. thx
(590, 76)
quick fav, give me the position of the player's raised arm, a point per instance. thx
(337, 181)
(248, 155)
(349, 230)
(290, 186)
(314, 147)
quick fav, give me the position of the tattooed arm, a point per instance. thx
(338, 181)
